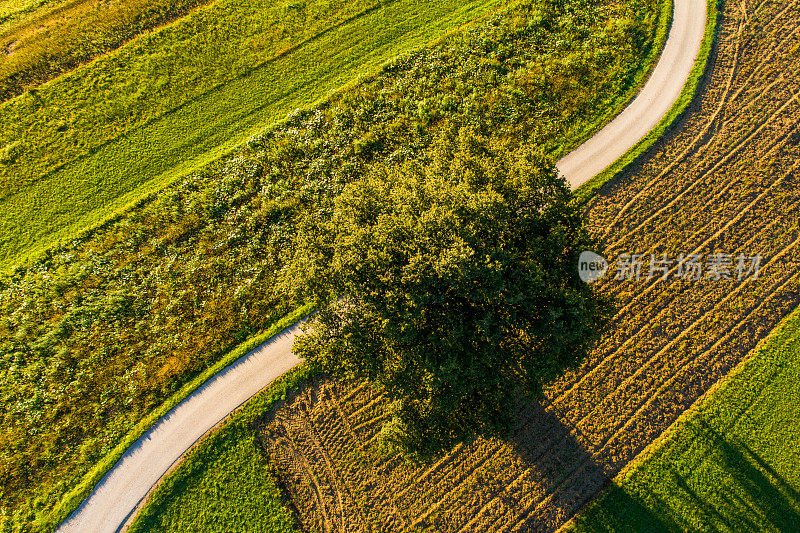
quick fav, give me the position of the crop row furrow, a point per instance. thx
(651, 285)
(658, 218)
(608, 216)
(693, 312)
(697, 143)
(594, 430)
(666, 361)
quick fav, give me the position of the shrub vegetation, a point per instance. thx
(450, 287)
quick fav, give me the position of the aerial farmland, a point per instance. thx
(413, 266)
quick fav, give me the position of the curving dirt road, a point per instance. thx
(651, 104)
(118, 495)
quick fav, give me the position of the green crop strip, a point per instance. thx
(42, 39)
(229, 467)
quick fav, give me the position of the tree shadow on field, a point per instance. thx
(741, 491)
(566, 475)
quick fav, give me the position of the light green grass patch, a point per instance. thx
(11, 10)
(225, 484)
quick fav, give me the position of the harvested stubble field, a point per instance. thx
(729, 464)
(725, 180)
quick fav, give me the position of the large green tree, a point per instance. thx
(450, 283)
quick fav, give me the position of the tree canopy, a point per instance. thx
(449, 282)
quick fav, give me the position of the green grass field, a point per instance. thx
(41, 39)
(103, 136)
(14, 10)
(729, 464)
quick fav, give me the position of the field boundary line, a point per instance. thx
(194, 99)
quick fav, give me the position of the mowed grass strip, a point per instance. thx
(89, 145)
(14, 10)
(147, 78)
(39, 41)
(730, 464)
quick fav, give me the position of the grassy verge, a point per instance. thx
(41, 44)
(585, 191)
(100, 138)
(73, 498)
(729, 464)
(225, 483)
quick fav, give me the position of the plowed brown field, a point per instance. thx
(725, 180)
